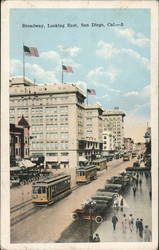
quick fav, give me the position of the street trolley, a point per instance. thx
(100, 164)
(86, 174)
(127, 157)
(50, 189)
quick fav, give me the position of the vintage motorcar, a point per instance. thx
(115, 188)
(136, 164)
(97, 213)
(122, 180)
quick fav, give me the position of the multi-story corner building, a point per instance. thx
(56, 114)
(108, 141)
(113, 120)
(128, 144)
(91, 146)
(19, 141)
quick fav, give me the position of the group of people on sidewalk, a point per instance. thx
(137, 226)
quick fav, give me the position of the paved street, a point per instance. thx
(49, 223)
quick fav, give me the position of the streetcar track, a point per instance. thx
(19, 206)
(34, 209)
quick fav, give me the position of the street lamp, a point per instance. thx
(91, 206)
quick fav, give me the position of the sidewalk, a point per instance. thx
(139, 206)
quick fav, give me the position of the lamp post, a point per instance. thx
(91, 206)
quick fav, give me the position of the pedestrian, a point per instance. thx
(121, 204)
(116, 203)
(114, 221)
(124, 223)
(137, 175)
(96, 238)
(150, 194)
(134, 190)
(131, 222)
(147, 234)
(141, 228)
(137, 225)
(140, 182)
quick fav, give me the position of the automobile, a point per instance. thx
(116, 156)
(115, 188)
(97, 213)
(122, 180)
(136, 164)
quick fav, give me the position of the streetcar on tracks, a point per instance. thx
(100, 164)
(126, 157)
(86, 174)
(50, 189)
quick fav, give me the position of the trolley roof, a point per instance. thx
(99, 160)
(52, 178)
(85, 168)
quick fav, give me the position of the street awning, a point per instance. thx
(64, 159)
(26, 164)
(82, 159)
(51, 159)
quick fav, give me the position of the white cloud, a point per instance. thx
(40, 74)
(135, 38)
(53, 55)
(82, 85)
(69, 51)
(15, 65)
(131, 93)
(111, 73)
(144, 93)
(107, 51)
(102, 97)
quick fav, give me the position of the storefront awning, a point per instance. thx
(26, 164)
(82, 159)
(51, 159)
(64, 159)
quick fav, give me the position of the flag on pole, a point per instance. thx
(67, 68)
(30, 51)
(91, 92)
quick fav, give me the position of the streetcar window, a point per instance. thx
(36, 190)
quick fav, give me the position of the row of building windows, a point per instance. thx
(38, 101)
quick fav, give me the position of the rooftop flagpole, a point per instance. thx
(62, 71)
(23, 64)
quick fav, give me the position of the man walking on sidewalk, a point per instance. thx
(124, 223)
(114, 221)
(141, 228)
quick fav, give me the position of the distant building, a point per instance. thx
(113, 120)
(128, 144)
(93, 132)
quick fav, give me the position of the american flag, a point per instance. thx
(30, 51)
(67, 68)
(91, 91)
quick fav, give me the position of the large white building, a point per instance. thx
(113, 121)
(58, 118)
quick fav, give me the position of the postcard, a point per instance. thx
(79, 123)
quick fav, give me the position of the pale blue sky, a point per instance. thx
(113, 60)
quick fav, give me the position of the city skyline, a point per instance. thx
(97, 54)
